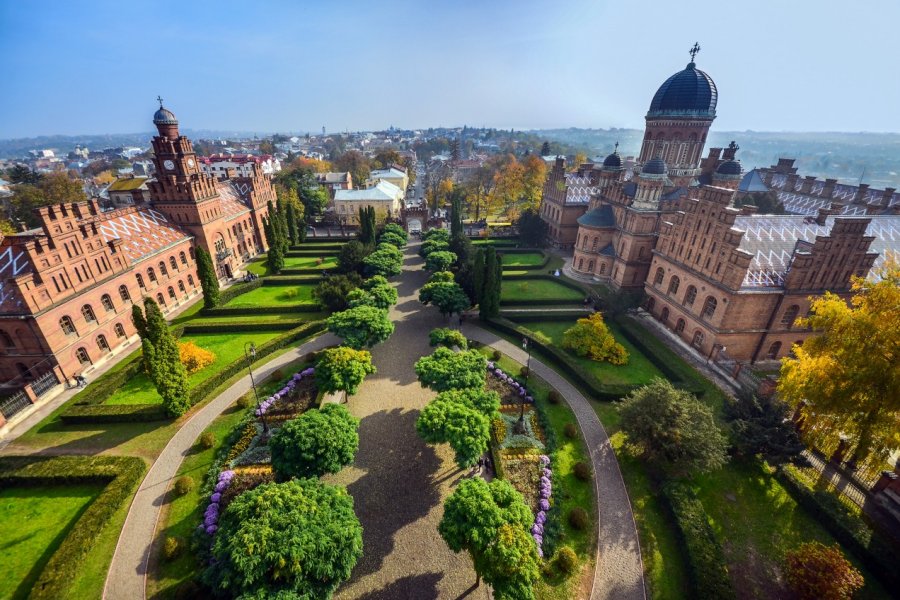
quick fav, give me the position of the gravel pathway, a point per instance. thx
(397, 481)
(127, 574)
(619, 573)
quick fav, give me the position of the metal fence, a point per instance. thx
(44, 383)
(14, 404)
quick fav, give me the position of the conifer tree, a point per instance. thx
(478, 276)
(164, 361)
(291, 215)
(274, 230)
(490, 297)
(208, 280)
(137, 317)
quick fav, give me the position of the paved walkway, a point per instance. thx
(619, 572)
(127, 574)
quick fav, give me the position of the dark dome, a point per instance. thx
(613, 161)
(730, 167)
(164, 116)
(655, 166)
(688, 93)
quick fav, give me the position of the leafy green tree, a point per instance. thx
(356, 163)
(361, 327)
(448, 297)
(6, 227)
(386, 261)
(343, 369)
(437, 235)
(440, 261)
(440, 277)
(271, 542)
(445, 369)
(447, 337)
(393, 239)
(490, 521)
(209, 283)
(382, 292)
(763, 427)
(532, 228)
(333, 291)
(671, 429)
(397, 230)
(464, 428)
(317, 442)
(433, 245)
(42, 190)
(22, 174)
(545, 149)
(592, 338)
(351, 257)
(484, 401)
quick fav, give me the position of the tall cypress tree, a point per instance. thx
(208, 280)
(140, 323)
(274, 230)
(490, 297)
(478, 276)
(291, 216)
(456, 203)
(166, 370)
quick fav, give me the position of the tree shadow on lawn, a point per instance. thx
(397, 488)
(411, 587)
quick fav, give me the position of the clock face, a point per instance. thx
(191, 162)
(169, 165)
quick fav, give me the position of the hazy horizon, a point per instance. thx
(277, 67)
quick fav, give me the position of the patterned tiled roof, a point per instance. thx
(12, 264)
(797, 202)
(579, 189)
(232, 204)
(771, 239)
(143, 232)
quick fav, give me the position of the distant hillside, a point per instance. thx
(843, 156)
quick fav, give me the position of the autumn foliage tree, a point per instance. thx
(194, 358)
(846, 377)
(592, 338)
(818, 572)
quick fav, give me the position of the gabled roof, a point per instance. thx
(126, 185)
(599, 217)
(579, 189)
(390, 172)
(383, 190)
(143, 232)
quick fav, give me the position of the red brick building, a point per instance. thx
(66, 287)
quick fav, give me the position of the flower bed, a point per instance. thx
(546, 489)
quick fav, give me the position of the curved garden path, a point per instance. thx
(619, 571)
(128, 571)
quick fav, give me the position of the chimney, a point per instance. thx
(860, 197)
(828, 189)
(791, 183)
(887, 196)
(808, 182)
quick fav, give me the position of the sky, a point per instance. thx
(72, 67)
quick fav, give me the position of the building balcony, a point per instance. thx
(222, 255)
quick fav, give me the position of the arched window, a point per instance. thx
(83, 357)
(107, 303)
(151, 274)
(664, 315)
(162, 269)
(789, 316)
(774, 349)
(67, 326)
(7, 341)
(594, 244)
(679, 326)
(171, 292)
(123, 293)
(102, 343)
(190, 280)
(709, 307)
(24, 372)
(182, 257)
(673, 285)
(172, 263)
(602, 268)
(690, 295)
(88, 313)
(660, 274)
(697, 342)
(120, 330)
(160, 300)
(591, 266)
(651, 304)
(140, 280)
(181, 287)
(191, 252)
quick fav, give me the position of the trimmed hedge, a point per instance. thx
(240, 327)
(128, 413)
(876, 553)
(324, 245)
(310, 271)
(707, 569)
(536, 317)
(314, 253)
(235, 311)
(121, 474)
(279, 280)
(226, 295)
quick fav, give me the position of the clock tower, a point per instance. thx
(186, 195)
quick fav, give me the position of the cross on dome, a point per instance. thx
(693, 51)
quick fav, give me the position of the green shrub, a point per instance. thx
(171, 547)
(566, 560)
(707, 568)
(578, 518)
(448, 338)
(246, 401)
(582, 471)
(120, 473)
(571, 431)
(495, 355)
(184, 484)
(207, 440)
(554, 397)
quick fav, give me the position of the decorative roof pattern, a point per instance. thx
(143, 232)
(232, 203)
(842, 192)
(688, 93)
(772, 239)
(12, 264)
(579, 189)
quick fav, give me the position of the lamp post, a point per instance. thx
(250, 353)
(520, 424)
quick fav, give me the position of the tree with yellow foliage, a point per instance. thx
(533, 182)
(438, 193)
(193, 357)
(591, 337)
(849, 374)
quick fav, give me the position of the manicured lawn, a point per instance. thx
(572, 492)
(258, 266)
(289, 317)
(226, 346)
(33, 523)
(526, 259)
(274, 295)
(639, 369)
(515, 290)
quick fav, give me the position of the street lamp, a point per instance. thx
(519, 428)
(250, 353)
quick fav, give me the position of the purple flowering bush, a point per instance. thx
(546, 490)
(285, 391)
(211, 515)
